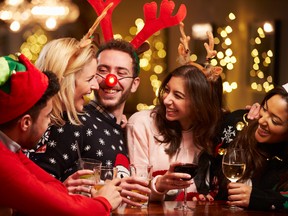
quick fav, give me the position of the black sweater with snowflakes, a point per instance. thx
(99, 137)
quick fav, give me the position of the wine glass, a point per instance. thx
(233, 166)
(189, 160)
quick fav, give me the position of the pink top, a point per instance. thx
(144, 149)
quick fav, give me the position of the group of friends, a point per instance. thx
(45, 123)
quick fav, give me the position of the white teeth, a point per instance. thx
(110, 91)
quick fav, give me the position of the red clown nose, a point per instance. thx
(111, 80)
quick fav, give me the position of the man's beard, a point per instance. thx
(113, 106)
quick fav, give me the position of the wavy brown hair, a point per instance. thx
(256, 154)
(206, 111)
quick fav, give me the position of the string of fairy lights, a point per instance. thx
(154, 60)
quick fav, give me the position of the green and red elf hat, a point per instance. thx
(21, 86)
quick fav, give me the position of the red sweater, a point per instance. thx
(29, 190)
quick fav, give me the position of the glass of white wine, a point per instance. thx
(233, 165)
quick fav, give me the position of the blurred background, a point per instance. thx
(250, 36)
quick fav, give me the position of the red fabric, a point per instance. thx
(154, 23)
(26, 89)
(29, 190)
(106, 22)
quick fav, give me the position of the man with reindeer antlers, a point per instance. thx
(118, 68)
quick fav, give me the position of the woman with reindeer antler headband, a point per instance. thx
(185, 118)
(101, 136)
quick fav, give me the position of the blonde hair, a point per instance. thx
(65, 57)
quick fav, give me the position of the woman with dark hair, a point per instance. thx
(186, 117)
(264, 184)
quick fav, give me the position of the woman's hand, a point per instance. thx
(129, 187)
(253, 111)
(239, 194)
(75, 184)
(202, 197)
(172, 180)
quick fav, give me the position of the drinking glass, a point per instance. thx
(143, 172)
(189, 165)
(90, 164)
(233, 166)
(106, 173)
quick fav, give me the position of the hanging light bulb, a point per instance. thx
(49, 13)
(52, 13)
(16, 13)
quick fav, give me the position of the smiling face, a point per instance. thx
(273, 121)
(177, 102)
(85, 82)
(120, 64)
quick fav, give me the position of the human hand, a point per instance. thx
(202, 197)
(130, 185)
(172, 180)
(75, 184)
(239, 194)
(253, 111)
(110, 191)
(123, 121)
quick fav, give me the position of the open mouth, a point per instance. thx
(262, 132)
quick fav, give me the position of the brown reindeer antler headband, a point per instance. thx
(211, 72)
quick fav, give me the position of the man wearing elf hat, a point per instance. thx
(25, 106)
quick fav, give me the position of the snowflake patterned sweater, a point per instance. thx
(99, 137)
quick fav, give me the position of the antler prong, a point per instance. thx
(154, 24)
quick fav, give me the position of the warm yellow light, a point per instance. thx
(133, 30)
(230, 66)
(270, 79)
(270, 53)
(159, 45)
(51, 23)
(158, 69)
(232, 16)
(234, 85)
(228, 41)
(254, 53)
(15, 26)
(228, 29)
(143, 62)
(233, 59)
(256, 60)
(260, 74)
(223, 34)
(254, 85)
(257, 40)
(193, 57)
(161, 53)
(255, 67)
(268, 60)
(252, 73)
(220, 55)
(268, 27)
(229, 52)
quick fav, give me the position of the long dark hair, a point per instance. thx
(256, 154)
(205, 109)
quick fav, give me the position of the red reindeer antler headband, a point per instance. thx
(152, 23)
